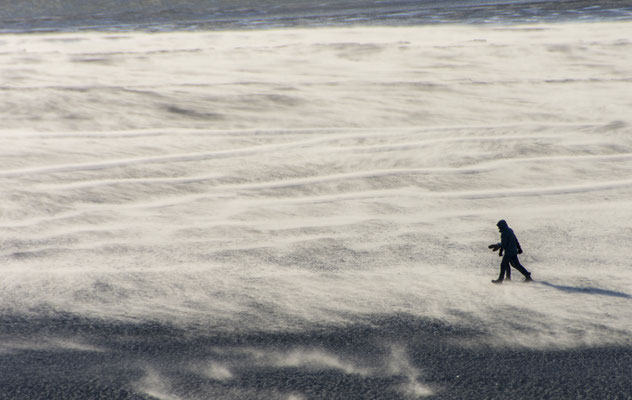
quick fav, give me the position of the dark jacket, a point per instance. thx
(508, 241)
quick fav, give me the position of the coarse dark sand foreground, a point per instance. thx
(384, 357)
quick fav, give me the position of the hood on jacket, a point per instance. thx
(502, 225)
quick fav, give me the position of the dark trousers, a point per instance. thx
(505, 269)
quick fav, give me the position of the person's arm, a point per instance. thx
(504, 240)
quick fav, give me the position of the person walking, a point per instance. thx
(508, 249)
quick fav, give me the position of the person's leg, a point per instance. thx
(516, 264)
(504, 267)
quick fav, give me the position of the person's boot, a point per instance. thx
(497, 281)
(527, 278)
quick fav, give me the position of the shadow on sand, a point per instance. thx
(65, 356)
(586, 290)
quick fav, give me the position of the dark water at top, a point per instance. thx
(165, 15)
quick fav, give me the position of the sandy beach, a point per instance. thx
(305, 213)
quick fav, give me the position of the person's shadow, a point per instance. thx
(587, 290)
